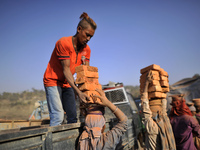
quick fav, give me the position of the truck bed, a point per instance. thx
(55, 138)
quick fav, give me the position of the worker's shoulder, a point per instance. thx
(188, 118)
(65, 40)
(87, 48)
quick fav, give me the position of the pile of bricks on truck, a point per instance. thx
(158, 87)
(87, 80)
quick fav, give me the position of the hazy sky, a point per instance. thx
(130, 35)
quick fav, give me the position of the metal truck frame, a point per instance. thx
(43, 137)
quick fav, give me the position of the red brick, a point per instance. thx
(196, 101)
(86, 68)
(163, 72)
(153, 83)
(154, 72)
(89, 87)
(164, 95)
(87, 80)
(154, 88)
(164, 78)
(87, 74)
(164, 83)
(155, 102)
(151, 67)
(156, 95)
(155, 75)
(90, 94)
(165, 89)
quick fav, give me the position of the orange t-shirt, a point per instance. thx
(64, 49)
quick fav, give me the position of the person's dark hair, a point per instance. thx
(92, 108)
(85, 20)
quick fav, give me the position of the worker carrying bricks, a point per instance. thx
(68, 53)
(197, 106)
(159, 134)
(93, 137)
(184, 125)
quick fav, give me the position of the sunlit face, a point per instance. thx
(84, 35)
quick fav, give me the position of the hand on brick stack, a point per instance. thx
(87, 80)
(103, 99)
(158, 87)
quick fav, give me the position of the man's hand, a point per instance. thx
(83, 97)
(148, 80)
(104, 101)
(150, 76)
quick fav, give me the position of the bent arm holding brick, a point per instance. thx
(70, 80)
(147, 120)
(105, 102)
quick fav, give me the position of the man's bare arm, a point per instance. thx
(69, 77)
(105, 102)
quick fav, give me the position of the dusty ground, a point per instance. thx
(15, 111)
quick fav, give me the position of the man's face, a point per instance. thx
(84, 35)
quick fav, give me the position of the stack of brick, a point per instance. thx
(158, 87)
(87, 80)
(196, 101)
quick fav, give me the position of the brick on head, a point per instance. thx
(158, 87)
(87, 81)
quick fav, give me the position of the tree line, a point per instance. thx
(35, 94)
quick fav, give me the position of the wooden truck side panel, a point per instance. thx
(66, 136)
(55, 138)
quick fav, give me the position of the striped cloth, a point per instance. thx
(159, 131)
(166, 133)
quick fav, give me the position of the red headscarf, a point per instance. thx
(179, 107)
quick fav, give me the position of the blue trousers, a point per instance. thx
(60, 100)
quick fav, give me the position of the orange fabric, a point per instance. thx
(64, 49)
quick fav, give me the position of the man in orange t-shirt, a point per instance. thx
(68, 53)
